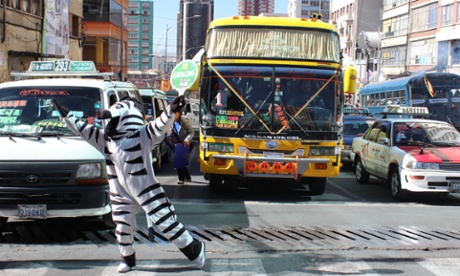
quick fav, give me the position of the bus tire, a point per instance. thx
(216, 183)
(317, 186)
(362, 176)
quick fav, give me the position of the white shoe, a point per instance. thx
(123, 267)
(202, 257)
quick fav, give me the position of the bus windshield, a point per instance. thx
(273, 43)
(26, 110)
(271, 99)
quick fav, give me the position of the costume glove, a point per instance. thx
(62, 110)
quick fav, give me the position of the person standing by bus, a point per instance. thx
(183, 132)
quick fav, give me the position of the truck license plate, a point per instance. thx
(455, 186)
(32, 211)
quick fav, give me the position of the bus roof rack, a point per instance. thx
(405, 111)
(61, 68)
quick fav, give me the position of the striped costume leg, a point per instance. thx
(157, 206)
(124, 212)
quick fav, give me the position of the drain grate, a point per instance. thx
(288, 236)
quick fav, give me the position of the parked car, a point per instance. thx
(155, 102)
(355, 123)
(46, 171)
(414, 155)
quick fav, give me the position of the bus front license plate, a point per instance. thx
(32, 211)
(455, 186)
(273, 155)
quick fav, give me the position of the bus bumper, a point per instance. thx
(286, 167)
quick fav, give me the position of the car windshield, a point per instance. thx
(437, 133)
(356, 127)
(29, 110)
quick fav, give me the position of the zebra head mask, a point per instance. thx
(125, 117)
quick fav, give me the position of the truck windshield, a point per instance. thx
(273, 99)
(26, 110)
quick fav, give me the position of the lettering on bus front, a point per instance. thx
(272, 137)
(228, 118)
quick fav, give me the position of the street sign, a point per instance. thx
(184, 75)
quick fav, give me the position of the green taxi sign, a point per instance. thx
(184, 75)
(80, 66)
(62, 65)
(42, 66)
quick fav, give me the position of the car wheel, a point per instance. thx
(157, 164)
(362, 176)
(3, 221)
(216, 183)
(395, 186)
(166, 156)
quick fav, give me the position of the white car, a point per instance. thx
(412, 154)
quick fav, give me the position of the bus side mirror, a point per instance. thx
(349, 80)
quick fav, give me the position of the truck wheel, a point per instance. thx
(362, 176)
(216, 183)
(395, 186)
(317, 186)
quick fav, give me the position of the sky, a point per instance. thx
(165, 13)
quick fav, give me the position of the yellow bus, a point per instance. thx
(271, 101)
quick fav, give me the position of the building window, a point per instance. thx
(447, 15)
(14, 4)
(396, 26)
(423, 51)
(35, 7)
(425, 18)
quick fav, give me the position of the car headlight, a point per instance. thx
(324, 151)
(89, 170)
(228, 148)
(422, 165)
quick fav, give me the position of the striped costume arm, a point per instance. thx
(156, 130)
(88, 132)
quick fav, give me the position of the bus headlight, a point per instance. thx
(219, 147)
(89, 170)
(323, 151)
(422, 165)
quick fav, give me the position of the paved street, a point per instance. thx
(352, 229)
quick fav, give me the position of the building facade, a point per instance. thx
(306, 8)
(359, 25)
(140, 35)
(105, 30)
(255, 7)
(33, 30)
(193, 20)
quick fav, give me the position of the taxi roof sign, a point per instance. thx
(406, 110)
(61, 67)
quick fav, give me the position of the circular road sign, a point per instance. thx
(184, 75)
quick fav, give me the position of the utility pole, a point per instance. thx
(121, 43)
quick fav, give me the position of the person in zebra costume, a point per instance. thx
(126, 143)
